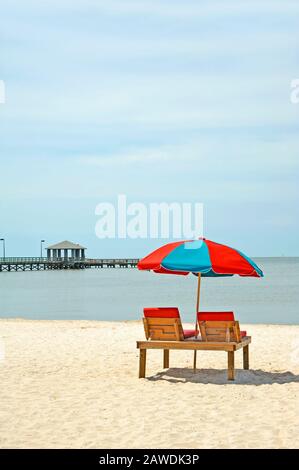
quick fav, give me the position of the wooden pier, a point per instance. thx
(42, 264)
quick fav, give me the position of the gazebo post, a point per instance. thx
(197, 310)
(66, 250)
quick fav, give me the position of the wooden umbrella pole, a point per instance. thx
(198, 298)
(197, 310)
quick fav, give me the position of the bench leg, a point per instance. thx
(166, 358)
(194, 361)
(246, 357)
(142, 363)
(231, 365)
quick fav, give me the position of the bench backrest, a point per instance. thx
(163, 324)
(215, 316)
(220, 331)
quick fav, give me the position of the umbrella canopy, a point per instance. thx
(204, 257)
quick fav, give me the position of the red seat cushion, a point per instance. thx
(218, 316)
(190, 333)
(215, 316)
(161, 312)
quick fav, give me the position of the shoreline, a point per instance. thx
(23, 319)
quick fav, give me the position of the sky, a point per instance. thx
(162, 101)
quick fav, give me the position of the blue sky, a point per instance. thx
(159, 100)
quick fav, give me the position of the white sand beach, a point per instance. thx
(75, 384)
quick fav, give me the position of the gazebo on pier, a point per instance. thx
(66, 250)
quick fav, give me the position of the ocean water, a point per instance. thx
(121, 294)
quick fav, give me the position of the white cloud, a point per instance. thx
(180, 101)
(194, 9)
(231, 78)
(129, 158)
(219, 157)
(166, 8)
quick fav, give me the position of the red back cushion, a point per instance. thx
(216, 316)
(161, 312)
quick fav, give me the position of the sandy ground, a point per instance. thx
(74, 384)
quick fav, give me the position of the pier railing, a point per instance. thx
(40, 263)
(38, 260)
(9, 259)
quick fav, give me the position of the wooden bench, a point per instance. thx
(215, 336)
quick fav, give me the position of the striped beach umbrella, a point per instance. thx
(201, 257)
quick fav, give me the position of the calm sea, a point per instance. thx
(120, 294)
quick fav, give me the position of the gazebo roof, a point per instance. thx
(66, 245)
